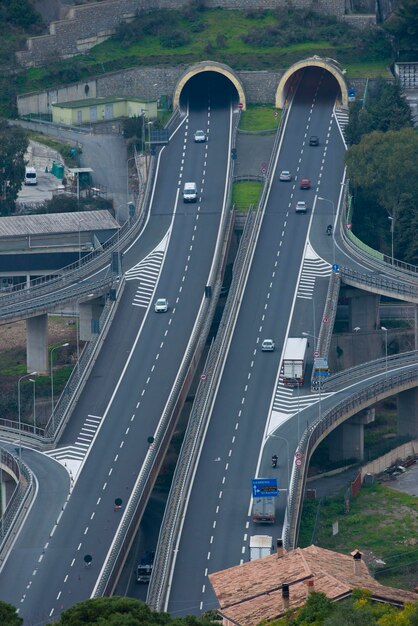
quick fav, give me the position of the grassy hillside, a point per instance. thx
(246, 40)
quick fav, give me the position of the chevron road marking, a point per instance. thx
(147, 272)
(72, 456)
(289, 401)
(313, 267)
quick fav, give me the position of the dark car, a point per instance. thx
(314, 140)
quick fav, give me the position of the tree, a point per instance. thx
(315, 610)
(13, 146)
(402, 25)
(386, 109)
(118, 611)
(8, 615)
(381, 168)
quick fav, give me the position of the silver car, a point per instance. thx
(301, 207)
(268, 345)
(200, 136)
(161, 305)
(285, 175)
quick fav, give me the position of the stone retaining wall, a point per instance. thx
(89, 24)
(149, 83)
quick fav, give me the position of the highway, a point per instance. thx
(217, 525)
(128, 389)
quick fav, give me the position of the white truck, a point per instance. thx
(294, 361)
(264, 510)
(260, 546)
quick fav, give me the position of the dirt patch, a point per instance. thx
(13, 336)
(13, 366)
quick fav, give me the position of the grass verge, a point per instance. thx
(260, 117)
(246, 193)
(381, 522)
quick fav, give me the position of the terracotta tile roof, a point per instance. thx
(252, 592)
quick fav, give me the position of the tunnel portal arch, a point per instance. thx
(332, 66)
(210, 66)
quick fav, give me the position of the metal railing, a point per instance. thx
(72, 280)
(149, 471)
(380, 282)
(45, 437)
(194, 437)
(323, 425)
(18, 503)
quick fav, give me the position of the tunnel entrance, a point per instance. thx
(205, 82)
(310, 68)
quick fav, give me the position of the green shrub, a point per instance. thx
(174, 39)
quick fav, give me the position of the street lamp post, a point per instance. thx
(63, 345)
(79, 241)
(386, 349)
(392, 225)
(127, 179)
(19, 412)
(33, 381)
(333, 224)
(310, 335)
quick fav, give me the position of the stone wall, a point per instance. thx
(149, 83)
(89, 24)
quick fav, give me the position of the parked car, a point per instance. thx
(301, 206)
(268, 345)
(285, 175)
(305, 183)
(200, 136)
(314, 140)
(161, 305)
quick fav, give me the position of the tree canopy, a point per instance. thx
(8, 615)
(381, 169)
(119, 611)
(402, 25)
(13, 146)
(386, 109)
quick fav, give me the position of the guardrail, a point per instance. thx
(380, 283)
(46, 437)
(194, 437)
(149, 471)
(325, 331)
(382, 262)
(193, 440)
(365, 370)
(18, 503)
(322, 426)
(22, 299)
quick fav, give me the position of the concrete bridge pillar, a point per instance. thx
(37, 344)
(363, 309)
(347, 440)
(408, 412)
(89, 312)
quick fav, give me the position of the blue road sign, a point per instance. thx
(335, 267)
(264, 487)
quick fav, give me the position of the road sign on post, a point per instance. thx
(264, 487)
(240, 106)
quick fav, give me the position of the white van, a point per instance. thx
(30, 176)
(190, 192)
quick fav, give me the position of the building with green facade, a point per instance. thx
(92, 110)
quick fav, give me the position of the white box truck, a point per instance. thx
(294, 361)
(260, 546)
(264, 510)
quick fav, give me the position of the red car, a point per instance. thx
(305, 183)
